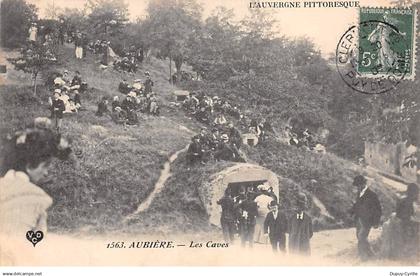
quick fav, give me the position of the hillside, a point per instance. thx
(107, 181)
(118, 166)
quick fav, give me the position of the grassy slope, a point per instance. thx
(108, 181)
(178, 208)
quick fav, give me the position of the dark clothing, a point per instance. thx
(300, 233)
(85, 43)
(368, 209)
(128, 105)
(59, 105)
(76, 81)
(228, 228)
(132, 118)
(247, 231)
(235, 137)
(228, 208)
(226, 152)
(367, 212)
(405, 209)
(247, 221)
(363, 246)
(102, 109)
(276, 229)
(77, 99)
(105, 57)
(78, 41)
(204, 140)
(148, 86)
(194, 153)
(115, 104)
(124, 88)
(228, 217)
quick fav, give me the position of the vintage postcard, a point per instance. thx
(209, 133)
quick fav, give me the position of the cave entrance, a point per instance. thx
(235, 187)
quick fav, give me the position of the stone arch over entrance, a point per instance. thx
(213, 190)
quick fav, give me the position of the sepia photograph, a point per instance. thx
(209, 133)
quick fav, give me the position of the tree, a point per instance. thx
(74, 19)
(33, 61)
(16, 17)
(52, 11)
(171, 24)
(213, 48)
(107, 17)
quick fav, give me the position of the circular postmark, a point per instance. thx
(372, 58)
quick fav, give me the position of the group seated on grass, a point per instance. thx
(97, 46)
(69, 91)
(214, 111)
(204, 107)
(139, 98)
(223, 143)
(303, 138)
(127, 61)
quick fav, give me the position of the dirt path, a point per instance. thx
(398, 187)
(160, 184)
(332, 247)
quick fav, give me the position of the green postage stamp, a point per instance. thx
(387, 42)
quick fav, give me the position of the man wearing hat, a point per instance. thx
(247, 220)
(275, 226)
(57, 109)
(225, 151)
(228, 217)
(300, 228)
(195, 151)
(367, 212)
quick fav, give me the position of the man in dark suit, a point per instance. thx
(247, 220)
(300, 227)
(228, 217)
(367, 212)
(275, 226)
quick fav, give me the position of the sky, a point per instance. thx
(324, 26)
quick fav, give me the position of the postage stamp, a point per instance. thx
(388, 42)
(377, 54)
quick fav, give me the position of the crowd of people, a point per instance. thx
(255, 215)
(224, 140)
(222, 143)
(139, 97)
(303, 139)
(127, 61)
(252, 212)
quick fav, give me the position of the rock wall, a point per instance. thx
(389, 158)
